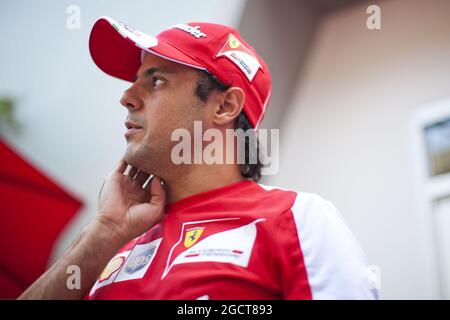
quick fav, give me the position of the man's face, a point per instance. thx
(161, 100)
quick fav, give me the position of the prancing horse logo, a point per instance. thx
(192, 235)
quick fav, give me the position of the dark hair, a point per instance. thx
(207, 83)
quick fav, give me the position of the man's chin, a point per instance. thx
(136, 156)
(143, 158)
(132, 155)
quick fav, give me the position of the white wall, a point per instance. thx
(69, 109)
(347, 136)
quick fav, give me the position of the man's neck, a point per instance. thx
(200, 178)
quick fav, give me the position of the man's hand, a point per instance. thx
(128, 208)
(125, 211)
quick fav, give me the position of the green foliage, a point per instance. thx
(7, 119)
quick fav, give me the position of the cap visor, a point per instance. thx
(117, 49)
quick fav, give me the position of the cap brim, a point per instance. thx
(117, 49)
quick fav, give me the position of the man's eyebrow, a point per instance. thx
(150, 71)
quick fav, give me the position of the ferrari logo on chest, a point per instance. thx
(192, 235)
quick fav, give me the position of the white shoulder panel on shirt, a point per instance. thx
(336, 265)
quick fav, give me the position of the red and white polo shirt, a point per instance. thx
(241, 241)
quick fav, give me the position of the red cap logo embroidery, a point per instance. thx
(241, 56)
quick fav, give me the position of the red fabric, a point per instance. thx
(275, 269)
(33, 212)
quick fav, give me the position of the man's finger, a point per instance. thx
(132, 172)
(148, 184)
(141, 177)
(158, 195)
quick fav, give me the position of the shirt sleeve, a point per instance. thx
(319, 258)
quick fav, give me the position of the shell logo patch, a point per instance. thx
(241, 56)
(110, 268)
(192, 235)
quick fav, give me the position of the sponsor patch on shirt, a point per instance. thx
(111, 270)
(111, 267)
(128, 265)
(230, 246)
(192, 235)
(138, 261)
(241, 56)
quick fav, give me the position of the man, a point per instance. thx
(209, 231)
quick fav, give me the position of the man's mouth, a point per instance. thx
(131, 128)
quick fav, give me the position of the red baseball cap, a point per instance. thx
(218, 49)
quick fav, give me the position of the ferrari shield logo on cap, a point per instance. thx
(192, 235)
(241, 56)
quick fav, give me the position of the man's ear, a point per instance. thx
(231, 106)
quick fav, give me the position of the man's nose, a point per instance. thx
(131, 100)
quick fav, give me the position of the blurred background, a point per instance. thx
(363, 113)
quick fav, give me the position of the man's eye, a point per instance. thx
(157, 81)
